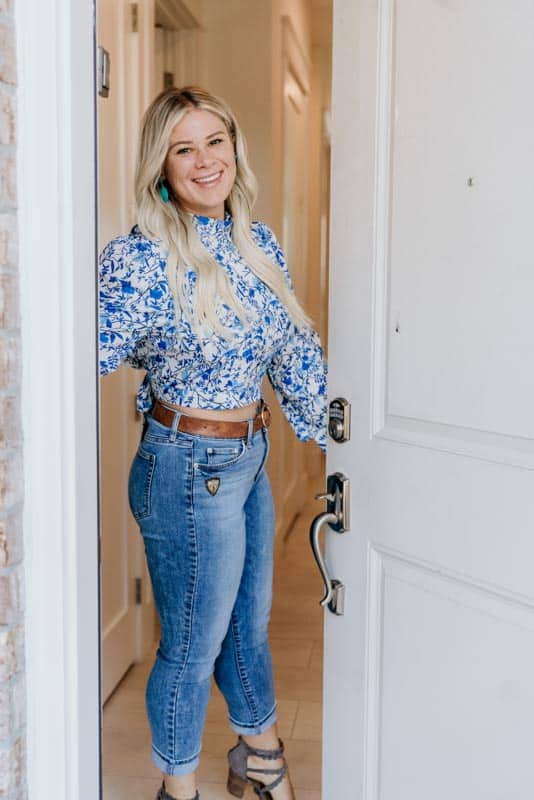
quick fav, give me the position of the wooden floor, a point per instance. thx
(296, 639)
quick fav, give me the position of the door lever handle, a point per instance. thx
(322, 519)
(330, 497)
(337, 517)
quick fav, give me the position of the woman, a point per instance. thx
(200, 297)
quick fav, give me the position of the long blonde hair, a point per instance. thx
(168, 222)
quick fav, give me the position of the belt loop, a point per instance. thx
(174, 427)
(250, 423)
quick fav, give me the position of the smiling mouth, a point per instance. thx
(208, 180)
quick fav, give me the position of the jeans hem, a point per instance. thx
(182, 768)
(254, 729)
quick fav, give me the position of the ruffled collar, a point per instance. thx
(212, 225)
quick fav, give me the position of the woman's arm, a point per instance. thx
(298, 376)
(124, 314)
(298, 371)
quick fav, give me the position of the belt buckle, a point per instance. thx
(265, 415)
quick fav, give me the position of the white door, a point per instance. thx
(429, 675)
(294, 238)
(128, 613)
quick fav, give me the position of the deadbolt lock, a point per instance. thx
(339, 420)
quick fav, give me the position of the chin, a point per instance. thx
(211, 206)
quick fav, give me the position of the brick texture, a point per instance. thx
(10, 480)
(11, 595)
(8, 242)
(8, 178)
(8, 69)
(10, 545)
(10, 422)
(13, 784)
(9, 361)
(11, 652)
(7, 114)
(9, 301)
(12, 708)
(12, 768)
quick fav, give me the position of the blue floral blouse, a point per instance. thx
(138, 325)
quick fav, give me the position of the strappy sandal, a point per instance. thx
(164, 795)
(238, 769)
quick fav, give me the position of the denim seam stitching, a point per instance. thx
(147, 494)
(199, 466)
(165, 442)
(260, 722)
(190, 599)
(180, 761)
(263, 464)
(242, 671)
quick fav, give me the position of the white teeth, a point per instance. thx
(208, 178)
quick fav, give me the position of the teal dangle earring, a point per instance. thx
(163, 191)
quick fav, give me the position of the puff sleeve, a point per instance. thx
(122, 323)
(298, 371)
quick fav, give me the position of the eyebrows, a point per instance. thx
(190, 141)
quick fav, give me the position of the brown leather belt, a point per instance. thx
(218, 429)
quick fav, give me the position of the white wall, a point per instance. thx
(236, 64)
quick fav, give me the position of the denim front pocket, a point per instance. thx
(140, 483)
(215, 458)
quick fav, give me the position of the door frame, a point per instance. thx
(57, 150)
(57, 236)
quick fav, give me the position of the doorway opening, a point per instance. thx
(271, 62)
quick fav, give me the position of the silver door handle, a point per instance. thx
(315, 530)
(337, 517)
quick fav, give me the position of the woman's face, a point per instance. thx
(200, 164)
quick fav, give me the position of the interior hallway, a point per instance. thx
(296, 637)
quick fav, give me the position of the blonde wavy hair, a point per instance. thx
(174, 226)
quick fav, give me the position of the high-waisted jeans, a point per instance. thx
(205, 511)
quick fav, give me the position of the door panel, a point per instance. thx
(292, 465)
(428, 689)
(459, 136)
(127, 627)
(294, 236)
(455, 670)
(117, 567)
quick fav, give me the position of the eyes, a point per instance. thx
(184, 151)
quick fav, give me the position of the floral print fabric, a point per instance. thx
(138, 325)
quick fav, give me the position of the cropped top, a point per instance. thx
(138, 325)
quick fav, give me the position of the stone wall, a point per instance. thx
(12, 685)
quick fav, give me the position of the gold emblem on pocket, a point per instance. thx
(212, 485)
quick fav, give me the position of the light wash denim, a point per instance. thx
(210, 556)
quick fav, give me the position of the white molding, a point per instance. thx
(375, 625)
(56, 190)
(464, 591)
(382, 213)
(497, 448)
(485, 445)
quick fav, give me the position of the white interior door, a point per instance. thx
(429, 688)
(294, 237)
(128, 613)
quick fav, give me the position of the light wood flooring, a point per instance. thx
(296, 639)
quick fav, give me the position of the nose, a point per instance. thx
(203, 157)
